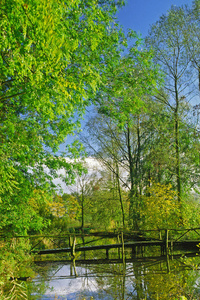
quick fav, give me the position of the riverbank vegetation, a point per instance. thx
(56, 59)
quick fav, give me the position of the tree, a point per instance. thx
(84, 185)
(57, 207)
(105, 143)
(108, 202)
(134, 77)
(72, 206)
(192, 37)
(121, 99)
(167, 39)
(159, 208)
(52, 59)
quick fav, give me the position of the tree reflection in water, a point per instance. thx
(141, 278)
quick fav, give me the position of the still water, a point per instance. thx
(139, 278)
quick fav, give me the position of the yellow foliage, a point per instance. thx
(166, 286)
(57, 206)
(72, 205)
(160, 209)
(66, 205)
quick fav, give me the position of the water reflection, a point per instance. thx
(141, 278)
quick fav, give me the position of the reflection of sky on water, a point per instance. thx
(142, 278)
(84, 286)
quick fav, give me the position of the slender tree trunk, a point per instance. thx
(137, 166)
(134, 186)
(178, 179)
(120, 195)
(137, 173)
(82, 210)
(177, 145)
(199, 77)
(132, 217)
(130, 158)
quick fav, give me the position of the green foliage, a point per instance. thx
(52, 59)
(191, 211)
(14, 263)
(15, 290)
(174, 41)
(25, 212)
(103, 204)
(132, 78)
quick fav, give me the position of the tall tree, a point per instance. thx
(122, 97)
(167, 38)
(53, 57)
(192, 37)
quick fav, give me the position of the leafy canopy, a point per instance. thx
(52, 59)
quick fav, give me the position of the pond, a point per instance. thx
(150, 277)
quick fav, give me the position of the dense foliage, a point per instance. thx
(53, 56)
(57, 58)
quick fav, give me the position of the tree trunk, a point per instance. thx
(177, 144)
(132, 218)
(82, 210)
(137, 164)
(120, 195)
(134, 186)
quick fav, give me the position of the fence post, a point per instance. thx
(123, 252)
(118, 241)
(70, 241)
(166, 241)
(73, 247)
(107, 254)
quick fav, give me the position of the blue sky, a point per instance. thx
(140, 14)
